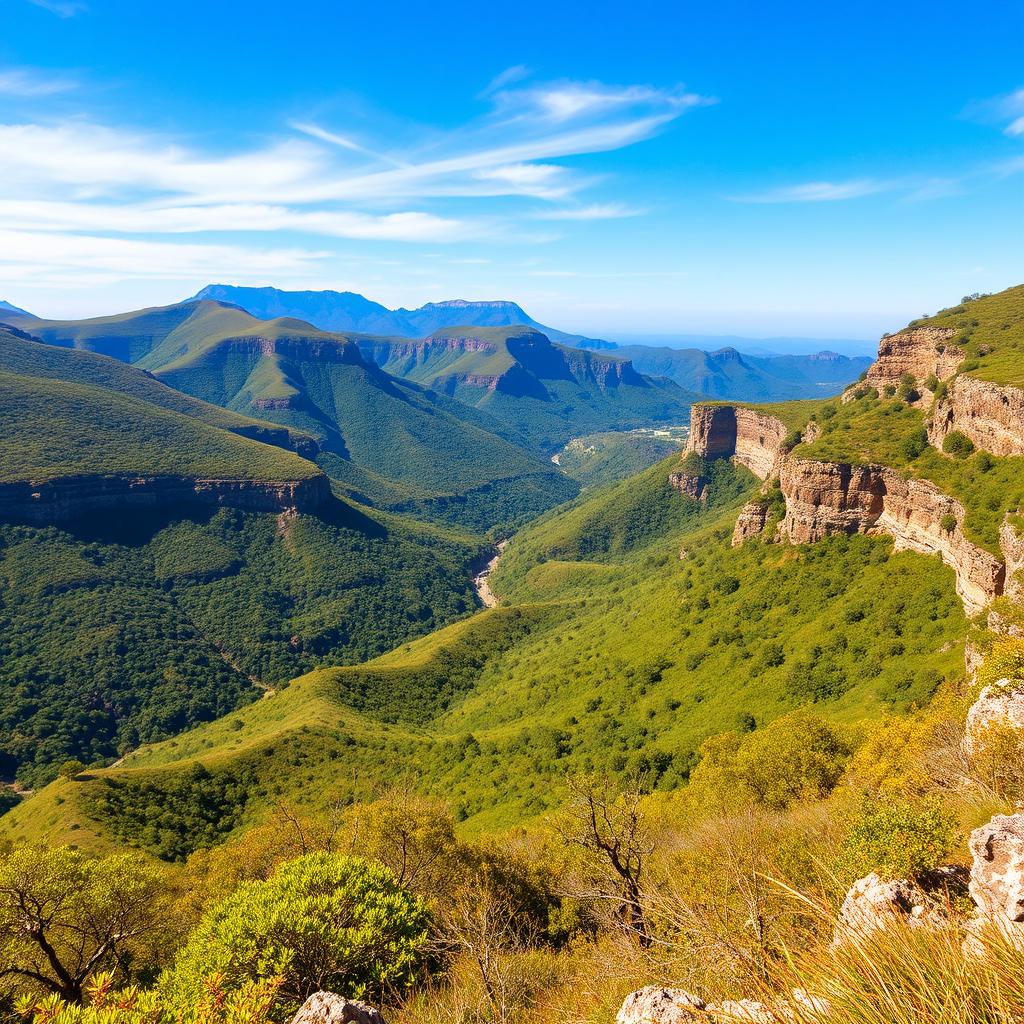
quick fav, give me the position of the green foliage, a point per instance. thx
(899, 840)
(596, 459)
(915, 444)
(65, 916)
(323, 921)
(69, 769)
(137, 628)
(947, 523)
(957, 444)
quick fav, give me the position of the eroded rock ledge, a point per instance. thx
(44, 502)
(824, 498)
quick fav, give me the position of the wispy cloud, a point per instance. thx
(595, 211)
(62, 8)
(99, 183)
(817, 192)
(509, 76)
(1006, 110)
(30, 82)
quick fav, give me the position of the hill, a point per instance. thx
(385, 441)
(22, 353)
(546, 393)
(349, 311)
(157, 570)
(7, 308)
(729, 374)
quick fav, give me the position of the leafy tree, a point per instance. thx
(957, 444)
(322, 921)
(64, 917)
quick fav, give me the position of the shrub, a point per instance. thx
(947, 524)
(70, 769)
(984, 461)
(907, 391)
(932, 383)
(899, 840)
(915, 445)
(791, 440)
(320, 921)
(957, 444)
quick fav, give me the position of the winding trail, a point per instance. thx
(480, 581)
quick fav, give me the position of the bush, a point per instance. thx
(947, 524)
(907, 391)
(791, 440)
(915, 445)
(984, 461)
(899, 840)
(957, 444)
(322, 921)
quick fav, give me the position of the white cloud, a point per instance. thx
(1007, 109)
(817, 192)
(31, 82)
(1015, 127)
(516, 73)
(595, 211)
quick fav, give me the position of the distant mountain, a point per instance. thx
(349, 311)
(547, 393)
(729, 374)
(386, 441)
(6, 307)
(774, 346)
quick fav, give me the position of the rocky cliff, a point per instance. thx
(66, 498)
(824, 498)
(992, 416)
(919, 351)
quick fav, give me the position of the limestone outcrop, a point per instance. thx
(687, 483)
(999, 706)
(873, 903)
(61, 499)
(997, 877)
(919, 351)
(657, 1005)
(1011, 543)
(752, 438)
(992, 416)
(750, 523)
(329, 1008)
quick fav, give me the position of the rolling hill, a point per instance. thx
(545, 392)
(386, 441)
(157, 570)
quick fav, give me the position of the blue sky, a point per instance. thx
(759, 169)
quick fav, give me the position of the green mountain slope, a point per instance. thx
(387, 442)
(612, 652)
(21, 353)
(547, 393)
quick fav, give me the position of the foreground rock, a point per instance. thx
(999, 707)
(873, 903)
(329, 1008)
(657, 1005)
(997, 879)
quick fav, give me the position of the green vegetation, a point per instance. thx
(888, 432)
(19, 354)
(41, 437)
(990, 330)
(128, 630)
(602, 458)
(319, 922)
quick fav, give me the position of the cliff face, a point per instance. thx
(65, 498)
(919, 351)
(824, 498)
(990, 415)
(751, 438)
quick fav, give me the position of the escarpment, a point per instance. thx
(61, 499)
(919, 351)
(992, 416)
(825, 498)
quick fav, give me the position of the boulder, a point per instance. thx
(330, 1008)
(873, 903)
(997, 878)
(1001, 705)
(657, 1005)
(748, 1011)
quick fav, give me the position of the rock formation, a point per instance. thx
(997, 878)
(919, 351)
(328, 1008)
(824, 498)
(687, 483)
(657, 1005)
(990, 415)
(873, 903)
(1000, 706)
(750, 523)
(62, 499)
